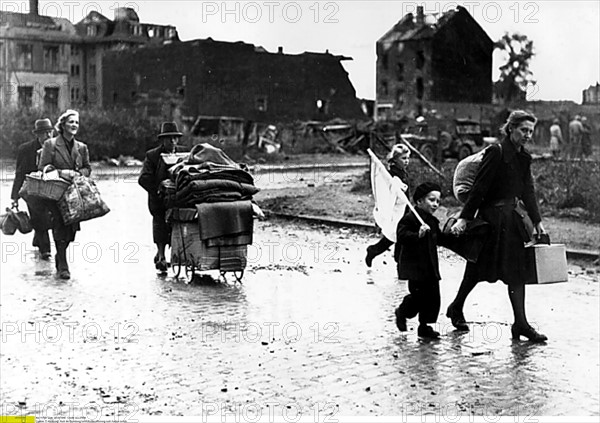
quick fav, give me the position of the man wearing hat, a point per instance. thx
(154, 171)
(27, 158)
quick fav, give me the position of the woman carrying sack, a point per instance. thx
(503, 180)
(71, 158)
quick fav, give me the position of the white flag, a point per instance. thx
(390, 199)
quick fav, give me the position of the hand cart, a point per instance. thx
(190, 253)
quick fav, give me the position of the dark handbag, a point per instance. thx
(8, 222)
(469, 244)
(23, 221)
(526, 224)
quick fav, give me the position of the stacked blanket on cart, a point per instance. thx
(213, 194)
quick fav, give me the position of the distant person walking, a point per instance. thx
(556, 138)
(27, 162)
(575, 136)
(71, 158)
(398, 160)
(586, 138)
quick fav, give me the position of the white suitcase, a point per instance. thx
(549, 263)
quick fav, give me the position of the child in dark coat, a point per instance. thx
(416, 254)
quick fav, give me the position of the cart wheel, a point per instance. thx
(238, 276)
(176, 267)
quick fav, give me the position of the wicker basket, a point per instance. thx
(39, 185)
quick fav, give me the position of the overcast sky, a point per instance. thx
(566, 34)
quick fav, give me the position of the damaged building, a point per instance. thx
(425, 59)
(52, 64)
(236, 79)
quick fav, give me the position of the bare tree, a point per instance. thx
(515, 75)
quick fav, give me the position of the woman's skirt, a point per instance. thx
(503, 253)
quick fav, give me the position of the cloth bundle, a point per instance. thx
(207, 176)
(81, 201)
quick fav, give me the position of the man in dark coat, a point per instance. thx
(27, 158)
(154, 171)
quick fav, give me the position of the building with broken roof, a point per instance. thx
(426, 59)
(215, 78)
(50, 63)
(591, 95)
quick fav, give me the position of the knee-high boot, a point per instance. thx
(62, 264)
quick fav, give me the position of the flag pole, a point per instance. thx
(397, 189)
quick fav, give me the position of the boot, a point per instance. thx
(62, 265)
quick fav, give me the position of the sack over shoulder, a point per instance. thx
(81, 201)
(465, 173)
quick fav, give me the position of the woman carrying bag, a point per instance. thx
(504, 180)
(71, 158)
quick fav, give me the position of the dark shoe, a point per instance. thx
(46, 256)
(457, 318)
(64, 274)
(161, 265)
(370, 256)
(426, 331)
(528, 332)
(156, 258)
(400, 320)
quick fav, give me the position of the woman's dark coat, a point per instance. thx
(504, 176)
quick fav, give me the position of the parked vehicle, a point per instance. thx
(468, 138)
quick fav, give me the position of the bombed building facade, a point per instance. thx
(426, 59)
(234, 79)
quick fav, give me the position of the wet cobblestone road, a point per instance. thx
(310, 332)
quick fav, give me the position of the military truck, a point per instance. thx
(468, 138)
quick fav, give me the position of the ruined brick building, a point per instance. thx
(50, 63)
(591, 95)
(425, 60)
(234, 79)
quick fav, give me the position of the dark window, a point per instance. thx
(384, 88)
(420, 88)
(400, 96)
(51, 99)
(323, 106)
(261, 104)
(384, 60)
(25, 96)
(74, 70)
(91, 30)
(400, 71)
(51, 58)
(420, 59)
(24, 56)
(75, 94)
(1, 55)
(74, 50)
(93, 94)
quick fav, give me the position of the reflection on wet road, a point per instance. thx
(309, 332)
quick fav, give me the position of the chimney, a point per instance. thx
(33, 7)
(280, 50)
(420, 15)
